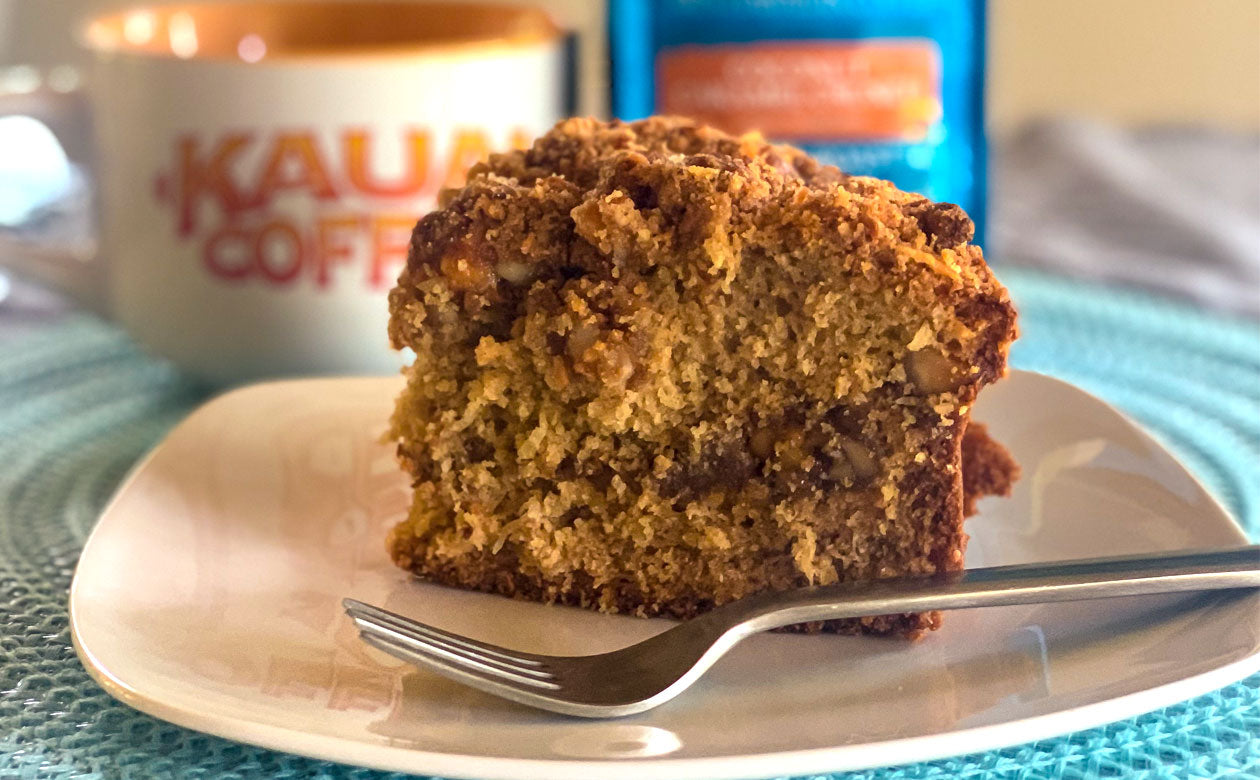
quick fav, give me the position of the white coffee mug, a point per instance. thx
(260, 165)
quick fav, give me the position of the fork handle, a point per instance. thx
(1094, 578)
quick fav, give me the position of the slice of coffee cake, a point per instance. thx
(659, 368)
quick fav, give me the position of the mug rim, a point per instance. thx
(540, 28)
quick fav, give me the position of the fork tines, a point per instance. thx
(417, 643)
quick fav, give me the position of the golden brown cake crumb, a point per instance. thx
(659, 368)
(988, 469)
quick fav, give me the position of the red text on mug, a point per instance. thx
(299, 208)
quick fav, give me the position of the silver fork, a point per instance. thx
(651, 672)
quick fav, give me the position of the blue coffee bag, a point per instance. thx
(887, 88)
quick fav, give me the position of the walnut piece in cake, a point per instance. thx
(659, 368)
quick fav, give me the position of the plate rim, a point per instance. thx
(836, 758)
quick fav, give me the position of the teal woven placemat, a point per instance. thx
(79, 405)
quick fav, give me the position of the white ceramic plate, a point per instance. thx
(209, 596)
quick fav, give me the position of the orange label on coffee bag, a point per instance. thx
(811, 90)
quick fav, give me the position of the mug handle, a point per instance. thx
(73, 268)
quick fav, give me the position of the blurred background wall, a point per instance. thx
(1128, 61)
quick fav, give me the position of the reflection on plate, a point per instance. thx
(209, 595)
